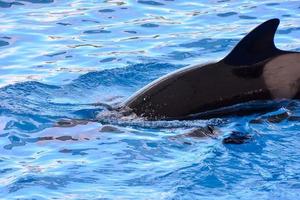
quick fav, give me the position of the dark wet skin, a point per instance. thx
(110, 129)
(272, 119)
(60, 138)
(277, 118)
(208, 131)
(202, 132)
(71, 123)
(237, 138)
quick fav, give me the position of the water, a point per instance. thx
(59, 58)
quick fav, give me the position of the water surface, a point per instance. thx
(59, 58)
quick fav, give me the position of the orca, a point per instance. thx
(255, 70)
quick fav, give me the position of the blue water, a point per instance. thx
(60, 60)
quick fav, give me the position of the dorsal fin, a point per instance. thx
(257, 46)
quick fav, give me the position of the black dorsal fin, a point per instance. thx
(257, 46)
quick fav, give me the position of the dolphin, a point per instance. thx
(255, 70)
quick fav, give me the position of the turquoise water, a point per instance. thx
(60, 60)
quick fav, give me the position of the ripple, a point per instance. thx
(76, 151)
(56, 54)
(149, 25)
(152, 3)
(132, 32)
(272, 4)
(132, 75)
(107, 60)
(3, 43)
(180, 55)
(227, 14)
(289, 30)
(15, 142)
(4, 4)
(64, 24)
(46, 181)
(39, 1)
(247, 17)
(106, 10)
(210, 44)
(96, 31)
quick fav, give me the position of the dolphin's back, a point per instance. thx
(197, 89)
(254, 70)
